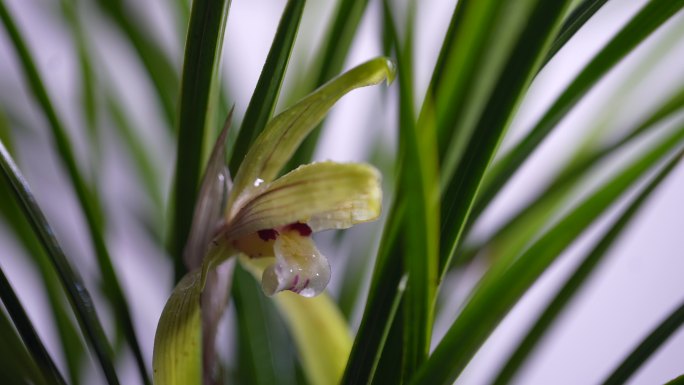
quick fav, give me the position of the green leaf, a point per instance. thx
(78, 296)
(88, 201)
(512, 275)
(28, 332)
(651, 16)
(462, 185)
(317, 327)
(200, 71)
(386, 291)
(331, 57)
(418, 190)
(71, 342)
(577, 18)
(265, 96)
(647, 347)
(522, 226)
(266, 354)
(157, 64)
(16, 365)
(578, 277)
(283, 134)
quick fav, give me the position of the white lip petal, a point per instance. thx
(299, 267)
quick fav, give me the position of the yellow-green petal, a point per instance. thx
(324, 195)
(285, 132)
(177, 357)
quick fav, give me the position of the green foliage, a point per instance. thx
(443, 177)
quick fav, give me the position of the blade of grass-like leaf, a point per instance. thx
(147, 175)
(70, 339)
(265, 95)
(86, 198)
(510, 236)
(577, 18)
(387, 288)
(16, 365)
(200, 71)
(510, 277)
(159, 67)
(649, 18)
(28, 332)
(579, 276)
(647, 347)
(419, 188)
(463, 184)
(266, 356)
(78, 295)
(331, 59)
(317, 327)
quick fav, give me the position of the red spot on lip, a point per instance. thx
(267, 235)
(302, 228)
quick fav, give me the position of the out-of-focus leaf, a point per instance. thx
(78, 295)
(265, 96)
(647, 20)
(577, 18)
(511, 276)
(520, 228)
(284, 133)
(16, 365)
(647, 347)
(159, 67)
(266, 355)
(88, 201)
(70, 338)
(27, 332)
(318, 329)
(573, 284)
(199, 81)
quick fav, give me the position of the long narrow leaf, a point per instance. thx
(651, 16)
(418, 188)
(71, 342)
(16, 365)
(463, 184)
(28, 332)
(647, 347)
(158, 66)
(507, 281)
(577, 18)
(265, 96)
(89, 204)
(78, 295)
(579, 276)
(202, 55)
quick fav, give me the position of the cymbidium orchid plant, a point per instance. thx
(263, 217)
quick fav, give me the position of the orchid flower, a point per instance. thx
(265, 218)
